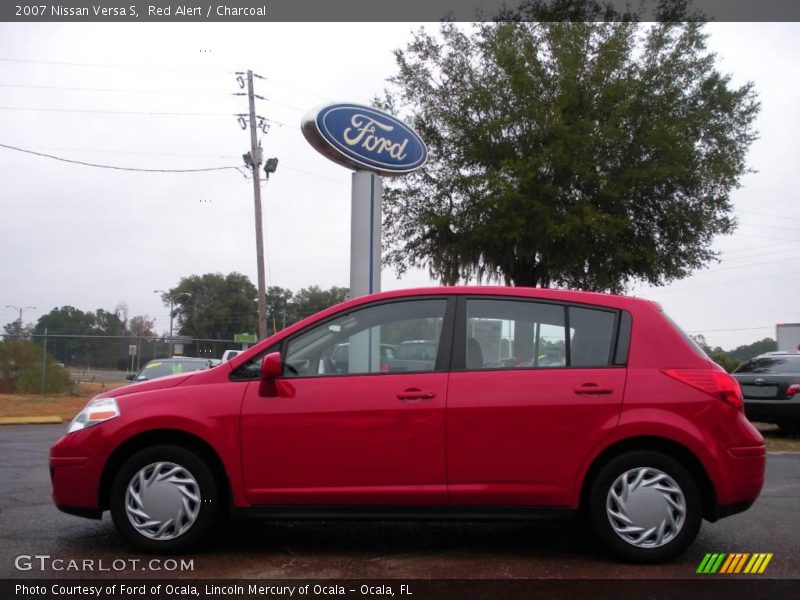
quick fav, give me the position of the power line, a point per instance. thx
(767, 262)
(108, 66)
(769, 227)
(86, 164)
(136, 152)
(765, 237)
(113, 90)
(136, 91)
(773, 254)
(171, 69)
(730, 329)
(176, 154)
(776, 244)
(135, 112)
(728, 281)
(760, 214)
(115, 112)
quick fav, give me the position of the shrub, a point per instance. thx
(21, 370)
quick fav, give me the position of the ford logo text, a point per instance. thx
(365, 139)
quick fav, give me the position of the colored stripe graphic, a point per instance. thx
(731, 560)
(702, 567)
(736, 562)
(740, 564)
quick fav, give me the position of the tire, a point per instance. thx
(164, 500)
(660, 500)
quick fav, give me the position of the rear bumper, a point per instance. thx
(771, 411)
(740, 480)
(727, 510)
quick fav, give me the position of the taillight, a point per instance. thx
(792, 390)
(714, 383)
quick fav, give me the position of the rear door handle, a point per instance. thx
(592, 389)
(415, 394)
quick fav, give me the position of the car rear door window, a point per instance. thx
(511, 334)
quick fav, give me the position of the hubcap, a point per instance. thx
(162, 501)
(646, 507)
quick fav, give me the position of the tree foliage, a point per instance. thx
(748, 351)
(75, 336)
(214, 305)
(582, 155)
(17, 329)
(730, 359)
(285, 307)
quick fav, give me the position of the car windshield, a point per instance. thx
(774, 365)
(161, 368)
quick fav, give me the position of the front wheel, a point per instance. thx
(164, 499)
(645, 507)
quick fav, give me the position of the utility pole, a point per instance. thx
(21, 309)
(255, 163)
(253, 160)
(44, 363)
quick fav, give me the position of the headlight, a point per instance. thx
(94, 413)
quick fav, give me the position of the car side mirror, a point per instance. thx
(271, 369)
(131, 377)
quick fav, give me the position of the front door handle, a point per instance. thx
(415, 394)
(592, 389)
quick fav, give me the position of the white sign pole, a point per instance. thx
(365, 234)
(365, 264)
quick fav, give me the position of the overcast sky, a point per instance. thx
(92, 238)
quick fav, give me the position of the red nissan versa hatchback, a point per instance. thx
(529, 402)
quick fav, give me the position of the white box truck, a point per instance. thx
(788, 337)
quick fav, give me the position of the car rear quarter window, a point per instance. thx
(592, 336)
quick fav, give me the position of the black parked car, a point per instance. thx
(771, 388)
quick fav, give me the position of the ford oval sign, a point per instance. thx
(365, 139)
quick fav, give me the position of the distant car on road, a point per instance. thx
(412, 355)
(161, 367)
(338, 361)
(229, 354)
(771, 388)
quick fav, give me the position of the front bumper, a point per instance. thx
(76, 466)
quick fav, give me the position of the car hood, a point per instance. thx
(145, 386)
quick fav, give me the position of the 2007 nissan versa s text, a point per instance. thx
(530, 402)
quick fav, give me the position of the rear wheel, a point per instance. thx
(164, 499)
(645, 507)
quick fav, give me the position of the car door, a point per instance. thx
(372, 435)
(533, 388)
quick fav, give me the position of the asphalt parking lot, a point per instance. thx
(31, 526)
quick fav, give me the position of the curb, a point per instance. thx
(48, 420)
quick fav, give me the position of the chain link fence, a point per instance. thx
(103, 358)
